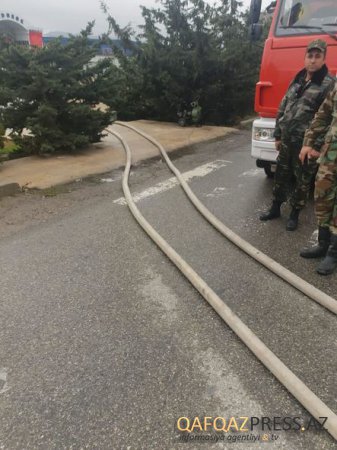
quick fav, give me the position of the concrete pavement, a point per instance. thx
(41, 172)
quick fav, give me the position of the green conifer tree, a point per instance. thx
(187, 50)
(48, 95)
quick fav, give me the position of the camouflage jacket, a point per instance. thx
(300, 103)
(324, 125)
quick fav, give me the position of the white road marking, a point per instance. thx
(3, 381)
(314, 238)
(198, 172)
(160, 295)
(251, 173)
(118, 177)
(218, 192)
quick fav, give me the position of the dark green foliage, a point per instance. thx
(187, 49)
(50, 93)
(2, 136)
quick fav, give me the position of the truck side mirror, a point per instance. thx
(255, 11)
(255, 32)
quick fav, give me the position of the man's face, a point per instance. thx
(314, 60)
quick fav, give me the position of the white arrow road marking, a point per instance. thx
(198, 172)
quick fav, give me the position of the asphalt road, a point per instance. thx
(104, 345)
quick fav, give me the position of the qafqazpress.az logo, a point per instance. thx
(243, 428)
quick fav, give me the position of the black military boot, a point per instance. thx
(293, 220)
(273, 213)
(319, 250)
(329, 263)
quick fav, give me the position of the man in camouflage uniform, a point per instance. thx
(324, 125)
(302, 100)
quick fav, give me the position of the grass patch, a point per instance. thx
(9, 147)
(55, 190)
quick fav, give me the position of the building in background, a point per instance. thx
(16, 29)
(103, 50)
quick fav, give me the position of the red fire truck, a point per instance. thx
(295, 23)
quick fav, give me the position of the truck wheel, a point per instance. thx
(268, 171)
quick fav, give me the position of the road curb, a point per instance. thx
(208, 141)
(247, 124)
(11, 188)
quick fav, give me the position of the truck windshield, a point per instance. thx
(307, 17)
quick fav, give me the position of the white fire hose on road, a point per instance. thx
(293, 384)
(308, 289)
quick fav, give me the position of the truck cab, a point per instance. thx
(294, 24)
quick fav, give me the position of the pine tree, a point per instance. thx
(187, 50)
(47, 95)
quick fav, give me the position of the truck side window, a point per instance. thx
(308, 13)
(293, 10)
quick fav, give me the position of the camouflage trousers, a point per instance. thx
(292, 178)
(326, 190)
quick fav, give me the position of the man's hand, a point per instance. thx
(278, 145)
(314, 154)
(304, 153)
